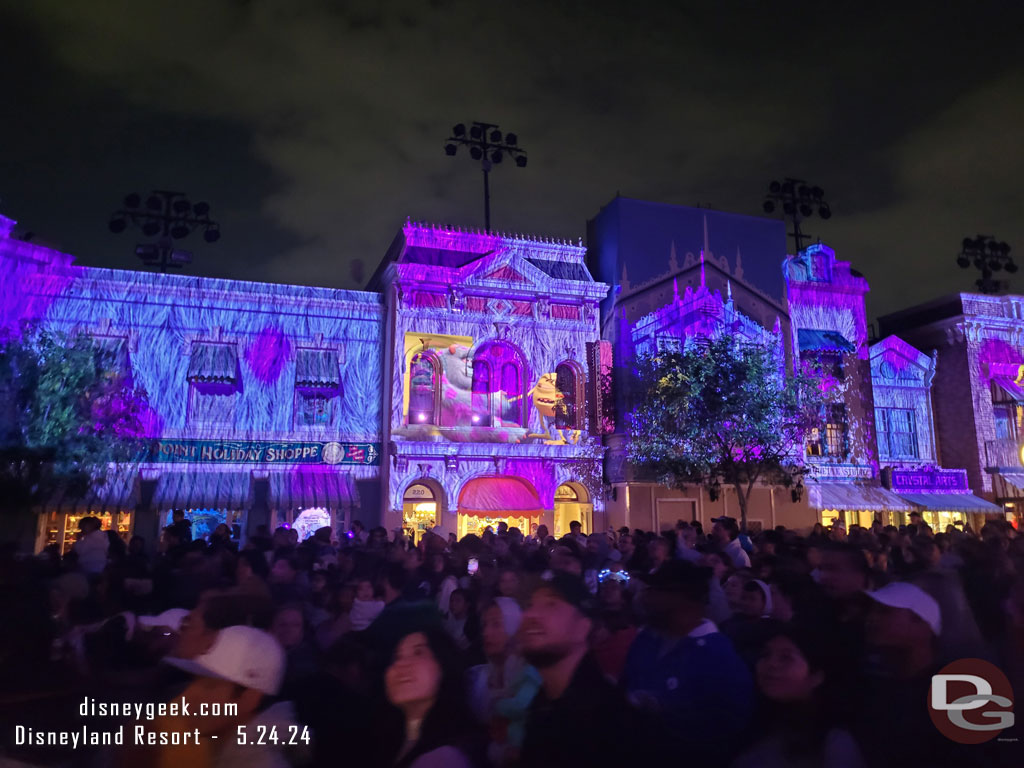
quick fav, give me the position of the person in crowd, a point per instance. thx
(289, 628)
(285, 586)
(576, 532)
(799, 721)
(92, 546)
(501, 689)
(252, 572)
(365, 606)
(615, 628)
(659, 552)
(577, 718)
(902, 629)
(684, 671)
(424, 684)
(181, 527)
(243, 669)
(725, 535)
(458, 622)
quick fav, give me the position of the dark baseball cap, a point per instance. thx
(570, 589)
(683, 578)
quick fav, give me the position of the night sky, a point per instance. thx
(315, 128)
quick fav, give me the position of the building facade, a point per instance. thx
(826, 302)
(266, 399)
(466, 391)
(491, 407)
(902, 379)
(978, 342)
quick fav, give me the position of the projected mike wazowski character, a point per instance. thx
(549, 402)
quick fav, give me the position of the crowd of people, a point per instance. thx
(618, 648)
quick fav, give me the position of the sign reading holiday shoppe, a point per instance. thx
(259, 452)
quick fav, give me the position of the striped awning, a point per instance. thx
(317, 368)
(302, 490)
(119, 492)
(203, 490)
(950, 502)
(825, 341)
(854, 496)
(214, 363)
(499, 495)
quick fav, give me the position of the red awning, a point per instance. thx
(498, 497)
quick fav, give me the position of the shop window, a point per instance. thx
(213, 380)
(481, 395)
(832, 437)
(836, 432)
(569, 382)
(424, 380)
(897, 433)
(512, 385)
(309, 521)
(669, 344)
(314, 409)
(212, 404)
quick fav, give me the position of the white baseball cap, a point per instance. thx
(900, 594)
(244, 655)
(171, 618)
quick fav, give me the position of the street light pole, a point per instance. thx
(798, 201)
(168, 216)
(486, 144)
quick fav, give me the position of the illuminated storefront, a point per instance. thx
(497, 379)
(419, 511)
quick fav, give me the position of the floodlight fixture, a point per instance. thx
(988, 256)
(798, 201)
(488, 145)
(166, 216)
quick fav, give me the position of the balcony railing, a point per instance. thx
(1003, 455)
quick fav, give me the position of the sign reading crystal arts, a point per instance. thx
(931, 480)
(260, 452)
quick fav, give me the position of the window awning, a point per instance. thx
(499, 496)
(303, 490)
(202, 490)
(214, 363)
(950, 502)
(1010, 387)
(855, 496)
(317, 368)
(824, 341)
(118, 493)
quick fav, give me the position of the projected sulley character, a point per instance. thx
(549, 402)
(456, 386)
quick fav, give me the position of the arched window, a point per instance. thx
(498, 396)
(481, 404)
(511, 384)
(423, 389)
(570, 383)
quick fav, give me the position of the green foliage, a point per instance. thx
(66, 414)
(722, 412)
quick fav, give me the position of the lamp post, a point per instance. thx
(167, 216)
(799, 201)
(486, 144)
(988, 256)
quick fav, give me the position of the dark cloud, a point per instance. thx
(316, 128)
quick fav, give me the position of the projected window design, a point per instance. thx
(314, 409)
(481, 396)
(497, 390)
(832, 437)
(897, 433)
(423, 388)
(569, 381)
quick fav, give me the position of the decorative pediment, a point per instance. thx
(896, 363)
(507, 274)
